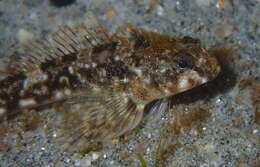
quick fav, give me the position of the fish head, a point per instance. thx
(177, 65)
(186, 66)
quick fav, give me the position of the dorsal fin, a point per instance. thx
(64, 42)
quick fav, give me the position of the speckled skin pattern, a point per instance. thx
(228, 135)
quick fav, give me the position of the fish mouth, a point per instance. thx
(213, 70)
(208, 65)
(184, 82)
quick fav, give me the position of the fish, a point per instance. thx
(101, 82)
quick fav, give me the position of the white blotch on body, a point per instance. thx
(138, 71)
(254, 131)
(94, 65)
(162, 70)
(58, 94)
(86, 65)
(95, 156)
(184, 80)
(2, 111)
(71, 70)
(147, 80)
(116, 58)
(25, 83)
(34, 79)
(201, 61)
(44, 77)
(61, 93)
(67, 92)
(167, 92)
(54, 135)
(27, 102)
(125, 98)
(195, 76)
(125, 80)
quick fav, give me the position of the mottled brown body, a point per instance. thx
(104, 81)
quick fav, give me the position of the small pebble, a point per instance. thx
(148, 149)
(225, 30)
(255, 131)
(104, 156)
(221, 4)
(24, 36)
(110, 14)
(2, 111)
(95, 156)
(159, 10)
(85, 162)
(218, 100)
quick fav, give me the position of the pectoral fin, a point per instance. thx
(95, 117)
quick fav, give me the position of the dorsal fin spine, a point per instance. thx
(67, 40)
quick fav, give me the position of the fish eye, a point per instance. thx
(182, 64)
(183, 59)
